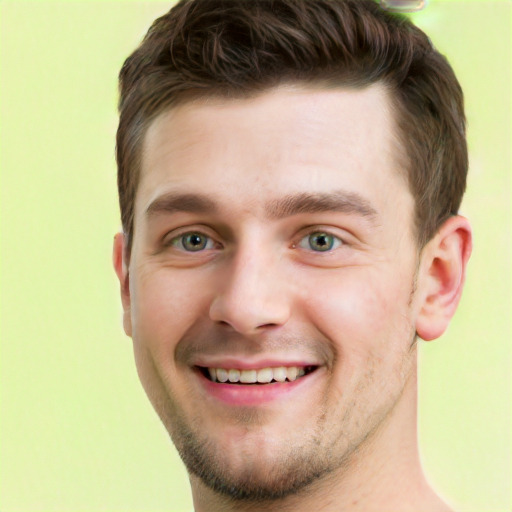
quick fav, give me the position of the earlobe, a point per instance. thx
(121, 269)
(443, 271)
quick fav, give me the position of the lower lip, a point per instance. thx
(254, 394)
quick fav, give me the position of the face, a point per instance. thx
(271, 283)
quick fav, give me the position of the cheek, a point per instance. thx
(164, 306)
(362, 312)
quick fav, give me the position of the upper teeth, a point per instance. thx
(262, 375)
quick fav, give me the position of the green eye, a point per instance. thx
(192, 242)
(319, 241)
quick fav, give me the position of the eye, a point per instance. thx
(192, 242)
(320, 241)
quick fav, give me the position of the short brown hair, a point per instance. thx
(238, 48)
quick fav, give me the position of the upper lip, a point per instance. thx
(252, 364)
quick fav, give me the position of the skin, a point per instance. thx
(260, 289)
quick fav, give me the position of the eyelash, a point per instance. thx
(179, 240)
(334, 242)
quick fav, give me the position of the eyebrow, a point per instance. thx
(176, 202)
(338, 201)
(294, 204)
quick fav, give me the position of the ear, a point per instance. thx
(121, 268)
(442, 275)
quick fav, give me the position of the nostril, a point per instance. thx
(249, 309)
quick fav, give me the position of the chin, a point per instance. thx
(251, 466)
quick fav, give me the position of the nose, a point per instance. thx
(253, 295)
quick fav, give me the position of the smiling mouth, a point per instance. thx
(256, 377)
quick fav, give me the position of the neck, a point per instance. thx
(384, 474)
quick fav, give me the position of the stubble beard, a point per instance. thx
(300, 465)
(289, 472)
(298, 468)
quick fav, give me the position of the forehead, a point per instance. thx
(287, 140)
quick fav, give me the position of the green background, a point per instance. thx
(76, 430)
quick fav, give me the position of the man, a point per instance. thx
(290, 173)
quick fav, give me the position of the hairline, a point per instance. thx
(197, 96)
